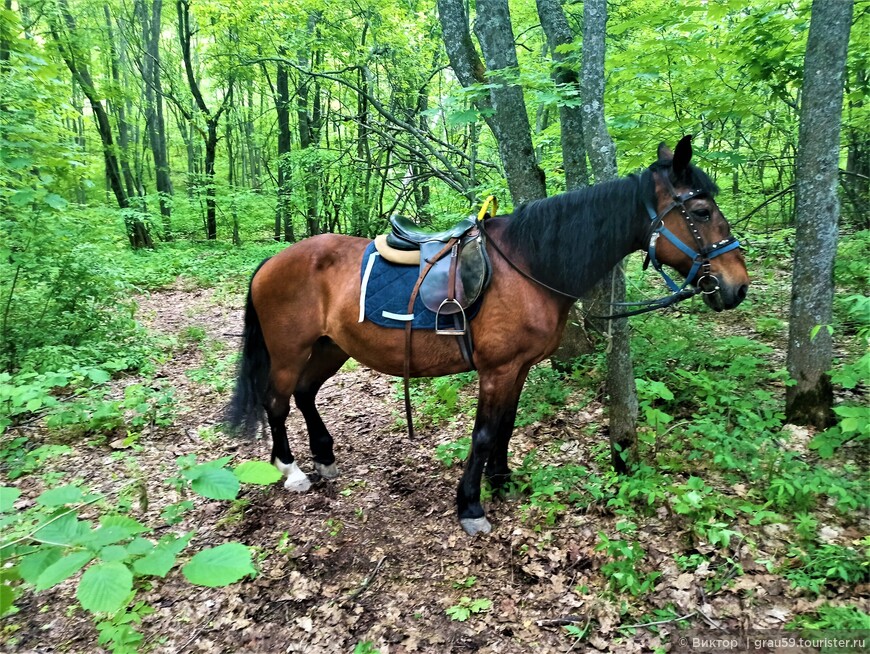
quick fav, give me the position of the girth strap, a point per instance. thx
(406, 372)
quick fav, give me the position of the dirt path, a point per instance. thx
(377, 555)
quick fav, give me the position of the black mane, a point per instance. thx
(571, 240)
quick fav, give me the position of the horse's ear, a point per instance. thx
(683, 155)
(665, 153)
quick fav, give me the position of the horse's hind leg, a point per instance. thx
(277, 409)
(326, 358)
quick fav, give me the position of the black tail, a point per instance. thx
(246, 406)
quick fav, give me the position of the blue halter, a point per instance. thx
(700, 257)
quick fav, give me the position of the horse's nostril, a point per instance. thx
(742, 291)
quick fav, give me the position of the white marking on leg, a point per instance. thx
(297, 480)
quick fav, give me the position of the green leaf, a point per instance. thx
(7, 597)
(55, 201)
(158, 563)
(22, 197)
(140, 546)
(114, 529)
(8, 495)
(33, 565)
(114, 553)
(130, 526)
(60, 496)
(458, 613)
(480, 605)
(216, 484)
(257, 472)
(98, 376)
(219, 566)
(65, 530)
(105, 587)
(63, 568)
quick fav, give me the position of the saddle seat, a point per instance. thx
(408, 236)
(451, 278)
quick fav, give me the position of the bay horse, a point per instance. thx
(301, 314)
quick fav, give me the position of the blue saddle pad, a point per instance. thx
(386, 290)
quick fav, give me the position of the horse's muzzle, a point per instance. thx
(725, 296)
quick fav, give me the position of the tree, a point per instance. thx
(153, 103)
(505, 108)
(559, 38)
(212, 119)
(63, 30)
(810, 345)
(575, 339)
(621, 390)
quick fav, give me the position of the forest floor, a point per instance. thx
(373, 560)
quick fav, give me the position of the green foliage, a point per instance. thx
(454, 451)
(550, 489)
(219, 566)
(544, 393)
(118, 634)
(829, 618)
(439, 399)
(468, 582)
(365, 647)
(466, 607)
(623, 569)
(50, 542)
(817, 566)
(218, 369)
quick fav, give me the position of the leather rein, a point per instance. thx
(700, 257)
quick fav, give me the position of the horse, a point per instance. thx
(301, 313)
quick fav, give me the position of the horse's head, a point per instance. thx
(689, 232)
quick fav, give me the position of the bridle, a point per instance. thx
(700, 257)
(707, 283)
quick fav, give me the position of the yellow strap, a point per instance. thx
(492, 202)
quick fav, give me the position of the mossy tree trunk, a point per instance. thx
(810, 343)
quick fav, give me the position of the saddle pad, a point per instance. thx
(386, 289)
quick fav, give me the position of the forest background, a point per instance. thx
(152, 151)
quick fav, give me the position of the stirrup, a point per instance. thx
(454, 331)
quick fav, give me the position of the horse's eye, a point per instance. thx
(702, 214)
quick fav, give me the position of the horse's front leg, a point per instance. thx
(498, 473)
(496, 409)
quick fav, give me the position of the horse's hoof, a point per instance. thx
(327, 472)
(297, 481)
(473, 526)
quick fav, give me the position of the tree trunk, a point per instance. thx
(576, 340)
(231, 181)
(570, 118)
(210, 203)
(117, 105)
(155, 123)
(64, 34)
(816, 213)
(212, 120)
(309, 127)
(283, 213)
(504, 108)
(621, 389)
(492, 26)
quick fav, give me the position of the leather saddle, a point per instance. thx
(454, 277)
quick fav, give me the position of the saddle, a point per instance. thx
(454, 272)
(454, 266)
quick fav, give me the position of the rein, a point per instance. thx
(700, 258)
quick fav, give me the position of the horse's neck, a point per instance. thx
(610, 239)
